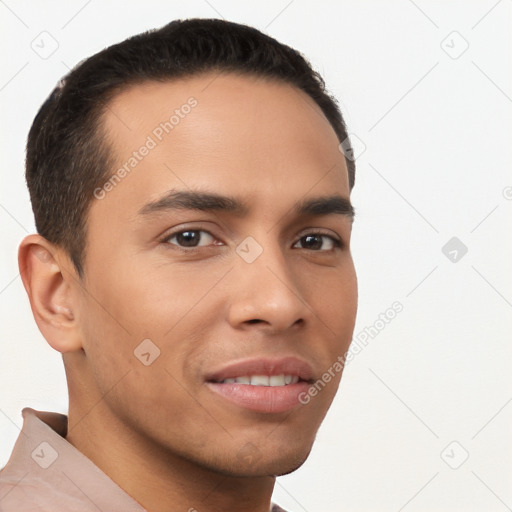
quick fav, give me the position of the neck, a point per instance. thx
(155, 477)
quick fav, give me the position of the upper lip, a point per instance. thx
(263, 366)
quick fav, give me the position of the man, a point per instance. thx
(192, 265)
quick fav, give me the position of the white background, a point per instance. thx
(437, 132)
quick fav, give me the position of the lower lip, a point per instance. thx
(268, 399)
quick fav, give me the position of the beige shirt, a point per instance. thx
(47, 473)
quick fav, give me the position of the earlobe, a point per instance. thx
(49, 287)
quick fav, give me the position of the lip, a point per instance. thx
(264, 399)
(263, 366)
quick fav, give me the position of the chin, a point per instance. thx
(290, 466)
(263, 464)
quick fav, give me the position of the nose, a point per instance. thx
(267, 294)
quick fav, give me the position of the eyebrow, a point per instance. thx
(206, 201)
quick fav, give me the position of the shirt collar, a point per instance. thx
(45, 465)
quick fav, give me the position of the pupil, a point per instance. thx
(316, 245)
(187, 238)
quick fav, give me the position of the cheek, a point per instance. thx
(157, 281)
(165, 304)
(335, 300)
(107, 342)
(138, 299)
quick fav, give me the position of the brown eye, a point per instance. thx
(315, 242)
(190, 238)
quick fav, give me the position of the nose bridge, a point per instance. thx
(268, 289)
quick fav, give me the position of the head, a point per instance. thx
(193, 210)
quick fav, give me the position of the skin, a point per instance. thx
(157, 430)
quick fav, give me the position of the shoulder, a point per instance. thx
(28, 493)
(276, 508)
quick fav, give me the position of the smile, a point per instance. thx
(263, 380)
(263, 385)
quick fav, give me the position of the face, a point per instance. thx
(184, 290)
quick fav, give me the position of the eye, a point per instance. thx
(314, 241)
(193, 238)
(190, 238)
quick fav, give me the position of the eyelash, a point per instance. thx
(337, 242)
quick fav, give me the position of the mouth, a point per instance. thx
(263, 380)
(262, 385)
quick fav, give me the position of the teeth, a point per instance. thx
(276, 380)
(260, 380)
(263, 380)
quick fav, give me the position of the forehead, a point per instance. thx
(233, 134)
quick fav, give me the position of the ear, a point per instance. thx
(50, 280)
